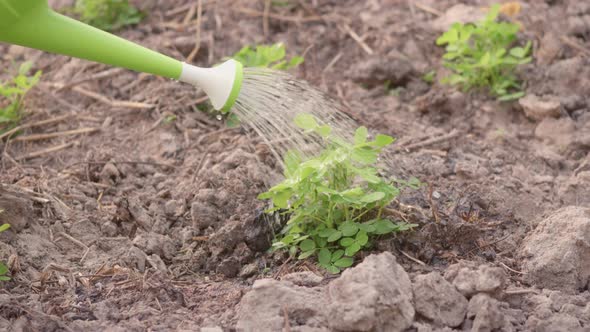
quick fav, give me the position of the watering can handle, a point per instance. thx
(31, 23)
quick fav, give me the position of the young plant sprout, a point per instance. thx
(481, 56)
(335, 200)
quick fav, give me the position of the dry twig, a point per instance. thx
(39, 137)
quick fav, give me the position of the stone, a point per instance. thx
(438, 300)
(376, 295)
(305, 278)
(556, 255)
(469, 279)
(488, 314)
(458, 13)
(264, 307)
(537, 108)
(153, 243)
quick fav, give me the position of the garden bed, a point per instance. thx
(149, 220)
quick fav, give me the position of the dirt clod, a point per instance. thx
(557, 253)
(537, 108)
(470, 279)
(438, 300)
(375, 295)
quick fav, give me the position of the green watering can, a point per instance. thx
(33, 24)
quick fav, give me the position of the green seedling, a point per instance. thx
(335, 201)
(429, 77)
(13, 92)
(3, 268)
(108, 15)
(267, 56)
(481, 56)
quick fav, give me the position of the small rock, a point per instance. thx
(488, 314)
(153, 243)
(175, 208)
(263, 307)
(459, 13)
(375, 295)
(157, 263)
(557, 253)
(109, 174)
(549, 49)
(554, 323)
(211, 329)
(438, 300)
(249, 270)
(558, 131)
(305, 278)
(229, 267)
(377, 70)
(203, 215)
(537, 108)
(470, 280)
(139, 213)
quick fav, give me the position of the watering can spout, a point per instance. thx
(31, 23)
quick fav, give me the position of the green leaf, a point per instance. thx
(363, 155)
(335, 236)
(383, 140)
(362, 238)
(324, 130)
(372, 197)
(4, 278)
(326, 232)
(333, 269)
(348, 229)
(336, 255)
(344, 262)
(306, 254)
(4, 227)
(3, 269)
(369, 228)
(518, 52)
(347, 241)
(383, 226)
(305, 121)
(293, 251)
(360, 135)
(307, 245)
(291, 161)
(512, 96)
(352, 249)
(324, 257)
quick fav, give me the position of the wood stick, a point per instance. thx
(428, 9)
(34, 124)
(195, 50)
(358, 39)
(38, 137)
(104, 74)
(45, 151)
(454, 133)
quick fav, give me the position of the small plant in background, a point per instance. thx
(108, 15)
(336, 200)
(3, 267)
(13, 92)
(481, 56)
(267, 56)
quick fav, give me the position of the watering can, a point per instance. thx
(33, 24)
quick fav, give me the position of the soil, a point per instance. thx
(147, 224)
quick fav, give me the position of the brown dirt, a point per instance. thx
(149, 225)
